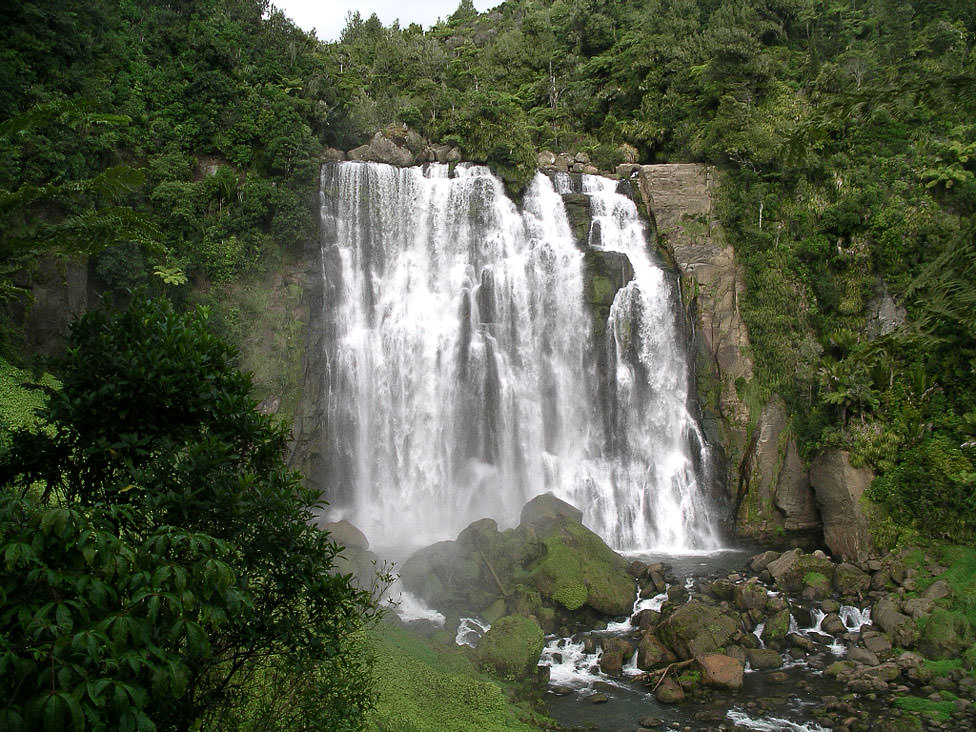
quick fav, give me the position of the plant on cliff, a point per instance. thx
(159, 557)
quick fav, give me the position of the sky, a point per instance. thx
(328, 17)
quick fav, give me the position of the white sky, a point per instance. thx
(328, 17)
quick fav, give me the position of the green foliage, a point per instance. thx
(172, 560)
(931, 489)
(938, 710)
(21, 395)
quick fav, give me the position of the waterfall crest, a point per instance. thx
(460, 373)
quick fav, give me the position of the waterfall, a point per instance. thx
(460, 377)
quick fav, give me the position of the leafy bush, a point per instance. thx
(172, 557)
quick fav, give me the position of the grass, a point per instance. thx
(425, 687)
(939, 710)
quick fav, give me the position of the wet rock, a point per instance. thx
(652, 653)
(598, 698)
(776, 628)
(332, 155)
(777, 677)
(669, 691)
(833, 625)
(800, 641)
(346, 534)
(899, 627)
(695, 628)
(650, 722)
(557, 690)
(637, 569)
(850, 581)
(863, 655)
(646, 619)
(722, 589)
(678, 594)
(761, 561)
(791, 569)
(616, 651)
(763, 658)
(721, 671)
(749, 595)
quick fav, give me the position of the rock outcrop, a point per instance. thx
(839, 488)
(550, 566)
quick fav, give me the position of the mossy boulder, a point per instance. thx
(792, 567)
(696, 628)
(944, 634)
(776, 628)
(576, 568)
(511, 647)
(816, 586)
(652, 653)
(549, 565)
(850, 581)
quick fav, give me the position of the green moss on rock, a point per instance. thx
(511, 647)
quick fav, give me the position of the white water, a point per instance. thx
(772, 724)
(461, 377)
(470, 630)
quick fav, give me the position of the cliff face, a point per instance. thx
(767, 483)
(775, 497)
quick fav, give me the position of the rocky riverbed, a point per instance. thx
(773, 641)
(791, 641)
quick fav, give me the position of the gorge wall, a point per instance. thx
(774, 496)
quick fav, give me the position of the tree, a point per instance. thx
(170, 562)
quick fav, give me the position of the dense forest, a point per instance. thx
(177, 146)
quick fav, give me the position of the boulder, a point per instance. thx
(863, 656)
(545, 159)
(652, 653)
(669, 691)
(776, 628)
(749, 596)
(900, 628)
(381, 149)
(763, 658)
(850, 581)
(695, 628)
(839, 488)
(332, 155)
(511, 647)
(720, 671)
(346, 534)
(945, 635)
(937, 590)
(545, 511)
(616, 651)
(794, 570)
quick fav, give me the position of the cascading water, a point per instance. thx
(460, 371)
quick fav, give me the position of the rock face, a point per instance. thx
(550, 566)
(764, 476)
(839, 487)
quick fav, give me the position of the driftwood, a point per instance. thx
(649, 677)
